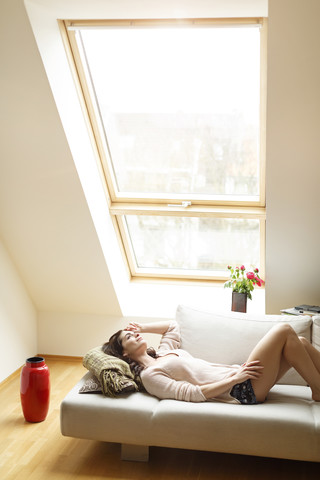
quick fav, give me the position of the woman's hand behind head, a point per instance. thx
(134, 327)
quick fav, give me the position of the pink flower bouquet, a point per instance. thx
(242, 281)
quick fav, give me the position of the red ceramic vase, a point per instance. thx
(35, 389)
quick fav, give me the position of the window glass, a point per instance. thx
(179, 107)
(189, 243)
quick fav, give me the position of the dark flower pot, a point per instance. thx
(239, 302)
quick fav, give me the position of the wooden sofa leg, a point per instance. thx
(136, 453)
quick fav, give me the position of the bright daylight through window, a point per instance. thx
(177, 110)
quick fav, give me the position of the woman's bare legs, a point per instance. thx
(277, 351)
(312, 351)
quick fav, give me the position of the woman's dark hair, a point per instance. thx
(114, 347)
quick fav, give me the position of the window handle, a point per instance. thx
(182, 204)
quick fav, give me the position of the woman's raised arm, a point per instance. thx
(156, 327)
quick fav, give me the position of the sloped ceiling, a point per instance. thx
(45, 223)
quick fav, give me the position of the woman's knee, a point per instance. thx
(304, 341)
(285, 329)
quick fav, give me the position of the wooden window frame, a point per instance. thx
(201, 206)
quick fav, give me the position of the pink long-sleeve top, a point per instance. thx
(178, 375)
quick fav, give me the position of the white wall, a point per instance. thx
(293, 154)
(45, 222)
(73, 334)
(18, 318)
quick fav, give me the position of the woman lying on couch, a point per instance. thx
(171, 372)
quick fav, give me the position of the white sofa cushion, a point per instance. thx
(316, 332)
(282, 424)
(286, 426)
(125, 419)
(230, 337)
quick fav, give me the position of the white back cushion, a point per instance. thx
(230, 337)
(316, 332)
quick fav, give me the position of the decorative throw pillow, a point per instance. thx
(91, 385)
(113, 374)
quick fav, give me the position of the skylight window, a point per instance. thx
(177, 112)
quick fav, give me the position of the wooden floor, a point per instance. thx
(39, 451)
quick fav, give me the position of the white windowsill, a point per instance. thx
(149, 300)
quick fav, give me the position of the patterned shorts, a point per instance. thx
(244, 393)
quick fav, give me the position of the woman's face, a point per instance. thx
(132, 343)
